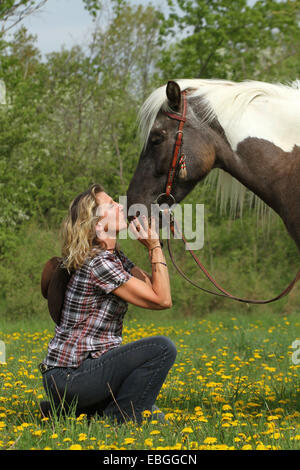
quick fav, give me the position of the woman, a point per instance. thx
(86, 363)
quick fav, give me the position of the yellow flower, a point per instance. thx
(54, 436)
(129, 440)
(155, 431)
(272, 418)
(247, 447)
(75, 447)
(148, 442)
(226, 407)
(210, 440)
(187, 430)
(223, 447)
(80, 417)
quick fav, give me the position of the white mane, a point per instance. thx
(246, 109)
(227, 101)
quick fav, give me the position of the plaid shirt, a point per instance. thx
(92, 316)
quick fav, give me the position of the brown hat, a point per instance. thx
(54, 283)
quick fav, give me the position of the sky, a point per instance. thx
(66, 23)
(58, 23)
(63, 22)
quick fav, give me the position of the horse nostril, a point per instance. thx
(132, 217)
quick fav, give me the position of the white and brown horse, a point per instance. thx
(250, 130)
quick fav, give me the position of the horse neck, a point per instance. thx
(270, 173)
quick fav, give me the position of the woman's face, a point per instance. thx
(111, 214)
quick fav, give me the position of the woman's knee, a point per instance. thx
(167, 345)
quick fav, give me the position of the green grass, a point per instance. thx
(233, 386)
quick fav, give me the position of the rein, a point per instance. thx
(223, 293)
(171, 174)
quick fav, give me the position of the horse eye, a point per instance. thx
(157, 138)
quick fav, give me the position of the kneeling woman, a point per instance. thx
(86, 363)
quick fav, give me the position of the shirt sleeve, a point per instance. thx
(127, 263)
(108, 272)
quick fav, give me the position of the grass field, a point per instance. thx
(234, 385)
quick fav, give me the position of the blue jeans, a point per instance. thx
(121, 383)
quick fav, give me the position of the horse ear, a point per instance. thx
(174, 95)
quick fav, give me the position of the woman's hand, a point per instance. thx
(145, 234)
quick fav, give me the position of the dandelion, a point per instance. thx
(187, 430)
(81, 417)
(75, 447)
(226, 407)
(154, 432)
(210, 440)
(129, 440)
(272, 418)
(169, 416)
(148, 442)
(247, 447)
(261, 447)
(146, 413)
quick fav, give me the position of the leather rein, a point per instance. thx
(173, 226)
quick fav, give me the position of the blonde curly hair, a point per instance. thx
(79, 240)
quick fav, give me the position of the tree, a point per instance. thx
(71, 120)
(225, 39)
(12, 12)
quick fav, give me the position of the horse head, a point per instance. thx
(201, 143)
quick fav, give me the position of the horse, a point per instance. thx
(249, 130)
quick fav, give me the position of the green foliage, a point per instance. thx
(13, 11)
(230, 40)
(20, 271)
(70, 121)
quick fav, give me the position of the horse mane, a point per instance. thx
(226, 99)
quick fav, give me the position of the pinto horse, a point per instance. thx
(250, 130)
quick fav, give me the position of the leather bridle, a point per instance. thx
(177, 148)
(173, 226)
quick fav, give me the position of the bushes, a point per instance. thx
(252, 265)
(21, 268)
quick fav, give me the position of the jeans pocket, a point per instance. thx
(57, 381)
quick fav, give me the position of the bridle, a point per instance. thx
(177, 149)
(178, 158)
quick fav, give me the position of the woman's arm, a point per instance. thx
(144, 291)
(142, 275)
